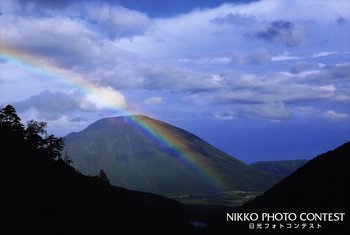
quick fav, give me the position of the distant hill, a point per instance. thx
(135, 161)
(284, 167)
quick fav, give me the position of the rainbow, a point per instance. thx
(108, 97)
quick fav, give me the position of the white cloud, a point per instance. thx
(330, 114)
(174, 36)
(328, 53)
(225, 116)
(276, 110)
(64, 124)
(152, 75)
(154, 100)
(300, 74)
(117, 21)
(207, 60)
(99, 98)
(290, 89)
(323, 54)
(59, 39)
(221, 28)
(330, 88)
(285, 57)
(306, 10)
(53, 104)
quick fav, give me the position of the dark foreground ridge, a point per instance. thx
(42, 194)
(320, 186)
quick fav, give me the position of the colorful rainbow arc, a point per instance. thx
(185, 154)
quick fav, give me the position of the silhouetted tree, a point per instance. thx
(53, 146)
(10, 121)
(34, 133)
(103, 176)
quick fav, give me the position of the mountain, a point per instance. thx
(320, 186)
(135, 160)
(284, 167)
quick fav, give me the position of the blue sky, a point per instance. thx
(258, 79)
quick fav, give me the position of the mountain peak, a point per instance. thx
(160, 158)
(117, 120)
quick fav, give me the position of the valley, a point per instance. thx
(228, 198)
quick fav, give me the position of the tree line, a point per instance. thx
(35, 136)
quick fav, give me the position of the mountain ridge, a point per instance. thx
(281, 167)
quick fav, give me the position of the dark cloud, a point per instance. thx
(38, 7)
(79, 119)
(341, 20)
(165, 8)
(105, 18)
(259, 57)
(303, 66)
(336, 73)
(256, 58)
(48, 3)
(275, 110)
(62, 39)
(50, 105)
(282, 31)
(153, 8)
(275, 30)
(258, 94)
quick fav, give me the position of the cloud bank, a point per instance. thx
(248, 60)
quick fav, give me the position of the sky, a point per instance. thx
(261, 80)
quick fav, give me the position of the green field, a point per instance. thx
(227, 198)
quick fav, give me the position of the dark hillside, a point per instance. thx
(42, 194)
(320, 186)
